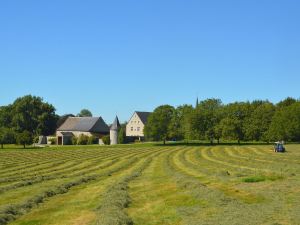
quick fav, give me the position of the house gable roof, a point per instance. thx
(143, 116)
(84, 124)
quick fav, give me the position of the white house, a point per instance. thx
(136, 124)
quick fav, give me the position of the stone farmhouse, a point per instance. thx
(136, 124)
(75, 126)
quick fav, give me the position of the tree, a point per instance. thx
(286, 102)
(7, 136)
(24, 138)
(231, 129)
(6, 116)
(234, 118)
(204, 119)
(285, 124)
(85, 113)
(30, 113)
(158, 125)
(178, 128)
(257, 125)
(122, 134)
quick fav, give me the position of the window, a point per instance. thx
(138, 129)
(131, 128)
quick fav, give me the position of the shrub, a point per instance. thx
(52, 141)
(106, 139)
(74, 140)
(92, 140)
(82, 139)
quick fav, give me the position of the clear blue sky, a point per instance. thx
(115, 57)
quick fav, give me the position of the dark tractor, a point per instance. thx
(279, 147)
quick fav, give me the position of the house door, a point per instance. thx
(59, 140)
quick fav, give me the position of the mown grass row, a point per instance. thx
(17, 195)
(116, 199)
(9, 213)
(216, 200)
(66, 173)
(191, 185)
(60, 160)
(35, 172)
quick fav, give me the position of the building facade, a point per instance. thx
(75, 126)
(136, 124)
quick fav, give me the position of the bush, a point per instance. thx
(106, 139)
(92, 140)
(52, 141)
(82, 139)
(74, 140)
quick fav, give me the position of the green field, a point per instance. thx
(147, 184)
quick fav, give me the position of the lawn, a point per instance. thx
(148, 184)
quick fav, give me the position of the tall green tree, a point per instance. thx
(7, 136)
(158, 124)
(286, 102)
(178, 128)
(285, 124)
(30, 113)
(85, 113)
(6, 116)
(205, 118)
(231, 129)
(257, 125)
(234, 120)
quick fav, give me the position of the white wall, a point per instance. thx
(135, 127)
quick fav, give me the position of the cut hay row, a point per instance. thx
(67, 173)
(116, 199)
(11, 212)
(53, 164)
(152, 185)
(44, 183)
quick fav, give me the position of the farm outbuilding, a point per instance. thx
(75, 126)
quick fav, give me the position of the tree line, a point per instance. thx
(212, 120)
(29, 116)
(26, 118)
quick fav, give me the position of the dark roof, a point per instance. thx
(143, 116)
(116, 125)
(66, 133)
(84, 124)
